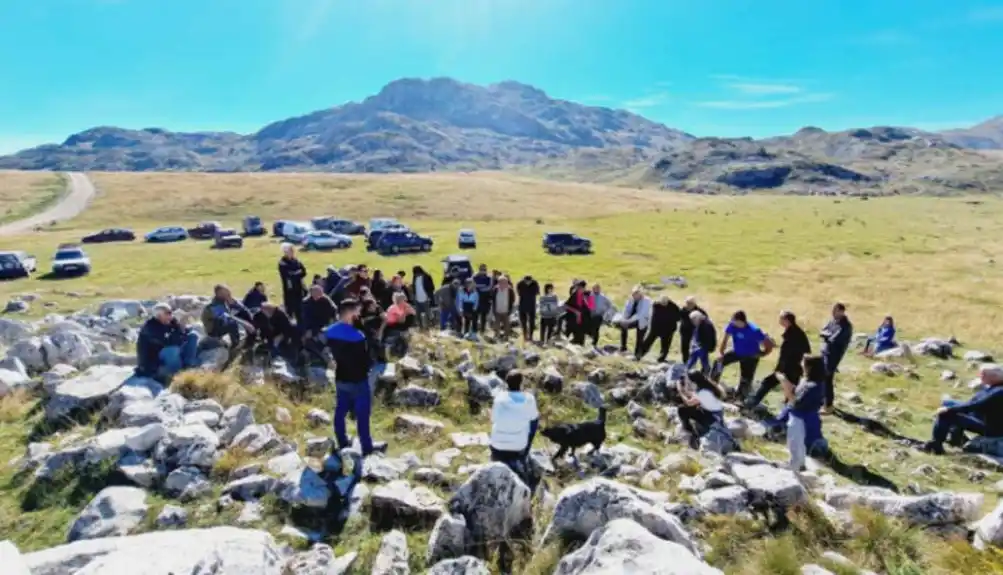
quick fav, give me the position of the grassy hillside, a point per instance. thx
(930, 262)
(25, 193)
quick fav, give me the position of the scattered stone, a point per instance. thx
(466, 565)
(978, 356)
(589, 393)
(443, 459)
(989, 529)
(114, 512)
(282, 415)
(399, 504)
(86, 391)
(416, 396)
(318, 417)
(462, 440)
(257, 438)
(319, 560)
(553, 381)
(189, 445)
(393, 556)
(187, 483)
(769, 484)
(406, 423)
(318, 446)
(724, 501)
(948, 375)
(250, 513)
(934, 509)
(172, 516)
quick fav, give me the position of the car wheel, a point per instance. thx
(426, 248)
(394, 250)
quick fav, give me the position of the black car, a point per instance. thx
(204, 231)
(565, 243)
(14, 265)
(253, 226)
(374, 237)
(109, 235)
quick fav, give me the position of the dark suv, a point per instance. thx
(565, 243)
(395, 242)
(374, 237)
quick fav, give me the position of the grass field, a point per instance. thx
(930, 262)
(25, 193)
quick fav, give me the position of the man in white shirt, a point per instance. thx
(636, 316)
(514, 419)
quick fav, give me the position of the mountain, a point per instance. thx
(411, 125)
(985, 136)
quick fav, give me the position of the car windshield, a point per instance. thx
(69, 255)
(9, 260)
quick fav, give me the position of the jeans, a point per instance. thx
(422, 309)
(175, 358)
(747, 370)
(445, 318)
(548, 328)
(699, 354)
(947, 424)
(375, 373)
(353, 397)
(796, 442)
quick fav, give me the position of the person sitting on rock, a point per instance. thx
(255, 297)
(514, 421)
(703, 342)
(804, 401)
(883, 339)
(701, 408)
(165, 347)
(224, 316)
(276, 331)
(318, 312)
(981, 414)
(351, 360)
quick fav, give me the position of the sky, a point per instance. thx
(709, 67)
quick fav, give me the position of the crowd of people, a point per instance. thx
(374, 315)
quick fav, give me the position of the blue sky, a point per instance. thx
(710, 67)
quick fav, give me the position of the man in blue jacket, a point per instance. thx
(352, 361)
(165, 347)
(836, 336)
(982, 414)
(485, 283)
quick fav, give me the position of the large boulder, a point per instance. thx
(769, 484)
(113, 512)
(319, 560)
(943, 508)
(934, 347)
(494, 502)
(12, 330)
(31, 352)
(235, 419)
(392, 558)
(448, 539)
(91, 389)
(729, 500)
(989, 529)
(10, 558)
(583, 508)
(220, 550)
(624, 546)
(13, 375)
(69, 347)
(399, 504)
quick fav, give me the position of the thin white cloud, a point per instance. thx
(764, 104)
(649, 101)
(765, 89)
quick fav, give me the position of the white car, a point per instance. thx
(167, 234)
(378, 224)
(325, 240)
(70, 260)
(294, 232)
(467, 239)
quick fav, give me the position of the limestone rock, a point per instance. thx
(448, 540)
(416, 396)
(406, 423)
(399, 504)
(493, 501)
(85, 391)
(172, 516)
(114, 511)
(770, 484)
(724, 500)
(466, 565)
(392, 558)
(941, 508)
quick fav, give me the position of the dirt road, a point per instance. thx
(80, 192)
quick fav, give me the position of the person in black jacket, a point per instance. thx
(292, 273)
(793, 348)
(423, 291)
(664, 319)
(318, 312)
(703, 343)
(578, 312)
(380, 289)
(980, 414)
(165, 347)
(687, 327)
(528, 290)
(276, 331)
(349, 350)
(836, 336)
(255, 297)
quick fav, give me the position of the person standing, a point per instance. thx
(468, 304)
(836, 336)
(664, 319)
(686, 326)
(637, 317)
(292, 273)
(794, 347)
(749, 343)
(704, 341)
(445, 300)
(804, 399)
(351, 362)
(502, 305)
(550, 311)
(484, 283)
(423, 290)
(603, 306)
(528, 291)
(578, 314)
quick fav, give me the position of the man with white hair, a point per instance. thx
(982, 414)
(165, 347)
(292, 273)
(636, 316)
(704, 341)
(686, 326)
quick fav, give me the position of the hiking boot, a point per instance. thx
(934, 447)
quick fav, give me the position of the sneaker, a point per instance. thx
(933, 447)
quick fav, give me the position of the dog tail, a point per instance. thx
(602, 415)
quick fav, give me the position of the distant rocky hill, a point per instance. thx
(409, 126)
(415, 125)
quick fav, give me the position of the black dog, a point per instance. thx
(571, 436)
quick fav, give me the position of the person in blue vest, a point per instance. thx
(749, 343)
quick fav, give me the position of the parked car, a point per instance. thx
(70, 259)
(395, 242)
(204, 231)
(109, 235)
(339, 226)
(167, 234)
(457, 266)
(325, 240)
(374, 236)
(16, 264)
(227, 238)
(277, 227)
(565, 243)
(253, 226)
(294, 232)
(377, 224)
(467, 239)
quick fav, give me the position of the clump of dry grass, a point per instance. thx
(24, 193)
(14, 406)
(197, 384)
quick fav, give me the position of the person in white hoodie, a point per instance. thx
(514, 419)
(636, 316)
